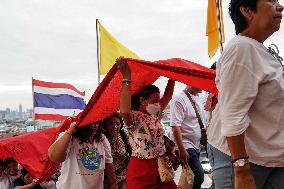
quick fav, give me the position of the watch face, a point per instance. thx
(241, 163)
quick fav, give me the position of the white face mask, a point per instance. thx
(153, 109)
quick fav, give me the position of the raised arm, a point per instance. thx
(167, 94)
(57, 151)
(27, 186)
(125, 95)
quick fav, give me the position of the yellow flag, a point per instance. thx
(212, 27)
(110, 49)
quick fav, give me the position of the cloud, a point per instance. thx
(55, 40)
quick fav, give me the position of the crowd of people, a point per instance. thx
(14, 176)
(244, 124)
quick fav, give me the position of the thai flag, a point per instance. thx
(56, 101)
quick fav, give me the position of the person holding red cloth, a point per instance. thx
(145, 132)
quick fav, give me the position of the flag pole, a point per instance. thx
(220, 26)
(98, 52)
(33, 103)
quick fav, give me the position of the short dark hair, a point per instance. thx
(145, 92)
(83, 133)
(236, 15)
(9, 160)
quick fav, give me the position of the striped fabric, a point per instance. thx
(56, 101)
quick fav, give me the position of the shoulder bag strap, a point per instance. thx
(195, 109)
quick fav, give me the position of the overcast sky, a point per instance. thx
(55, 40)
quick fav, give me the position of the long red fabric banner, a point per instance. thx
(30, 150)
(105, 100)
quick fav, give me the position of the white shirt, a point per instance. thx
(251, 99)
(84, 165)
(214, 135)
(4, 181)
(183, 115)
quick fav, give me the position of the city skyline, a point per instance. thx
(14, 114)
(16, 108)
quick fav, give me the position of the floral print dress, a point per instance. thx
(146, 136)
(120, 156)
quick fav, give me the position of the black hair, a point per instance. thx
(121, 131)
(1, 163)
(236, 15)
(84, 133)
(213, 66)
(8, 160)
(116, 115)
(144, 92)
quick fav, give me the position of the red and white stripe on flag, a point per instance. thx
(56, 101)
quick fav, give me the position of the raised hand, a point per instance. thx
(72, 129)
(34, 183)
(123, 67)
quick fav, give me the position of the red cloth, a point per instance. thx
(30, 150)
(105, 100)
(143, 174)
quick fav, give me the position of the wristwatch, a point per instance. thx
(240, 162)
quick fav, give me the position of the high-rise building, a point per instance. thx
(8, 114)
(20, 111)
(2, 114)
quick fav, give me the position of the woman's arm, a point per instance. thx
(57, 151)
(25, 186)
(167, 94)
(125, 95)
(243, 176)
(110, 173)
(31, 185)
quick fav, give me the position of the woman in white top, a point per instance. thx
(145, 132)
(4, 181)
(251, 96)
(85, 154)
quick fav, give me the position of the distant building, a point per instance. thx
(20, 111)
(7, 114)
(2, 114)
(12, 115)
(29, 113)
